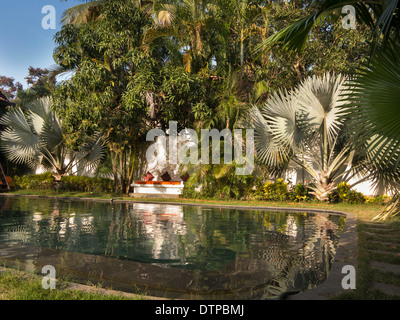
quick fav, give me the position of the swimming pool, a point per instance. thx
(173, 251)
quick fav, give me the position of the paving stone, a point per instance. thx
(393, 253)
(385, 243)
(376, 229)
(385, 267)
(387, 288)
(379, 235)
(375, 224)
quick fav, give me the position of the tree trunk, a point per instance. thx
(114, 160)
(122, 165)
(241, 48)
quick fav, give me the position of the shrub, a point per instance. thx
(221, 182)
(43, 181)
(86, 184)
(46, 181)
(377, 199)
(345, 194)
(300, 192)
(276, 191)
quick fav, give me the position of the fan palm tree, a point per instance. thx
(304, 127)
(376, 86)
(35, 137)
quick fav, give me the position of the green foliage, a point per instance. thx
(344, 194)
(373, 107)
(140, 64)
(382, 199)
(107, 92)
(221, 182)
(300, 193)
(86, 184)
(46, 181)
(276, 191)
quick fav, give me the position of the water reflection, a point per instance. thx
(216, 252)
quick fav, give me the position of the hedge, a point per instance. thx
(46, 181)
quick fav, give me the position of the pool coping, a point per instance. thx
(346, 253)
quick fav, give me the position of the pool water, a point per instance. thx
(176, 251)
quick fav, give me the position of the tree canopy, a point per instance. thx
(136, 65)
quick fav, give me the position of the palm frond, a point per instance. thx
(18, 141)
(80, 13)
(276, 156)
(18, 129)
(379, 15)
(92, 152)
(374, 107)
(292, 37)
(281, 113)
(321, 98)
(166, 14)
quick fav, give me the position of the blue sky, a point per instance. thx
(23, 41)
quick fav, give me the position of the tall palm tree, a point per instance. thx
(35, 137)
(244, 22)
(185, 21)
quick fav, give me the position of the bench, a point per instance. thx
(157, 188)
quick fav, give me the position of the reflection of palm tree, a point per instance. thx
(18, 233)
(292, 273)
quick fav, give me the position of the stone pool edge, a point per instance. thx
(346, 253)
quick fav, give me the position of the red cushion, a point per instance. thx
(148, 177)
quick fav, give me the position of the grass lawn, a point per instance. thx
(12, 287)
(16, 285)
